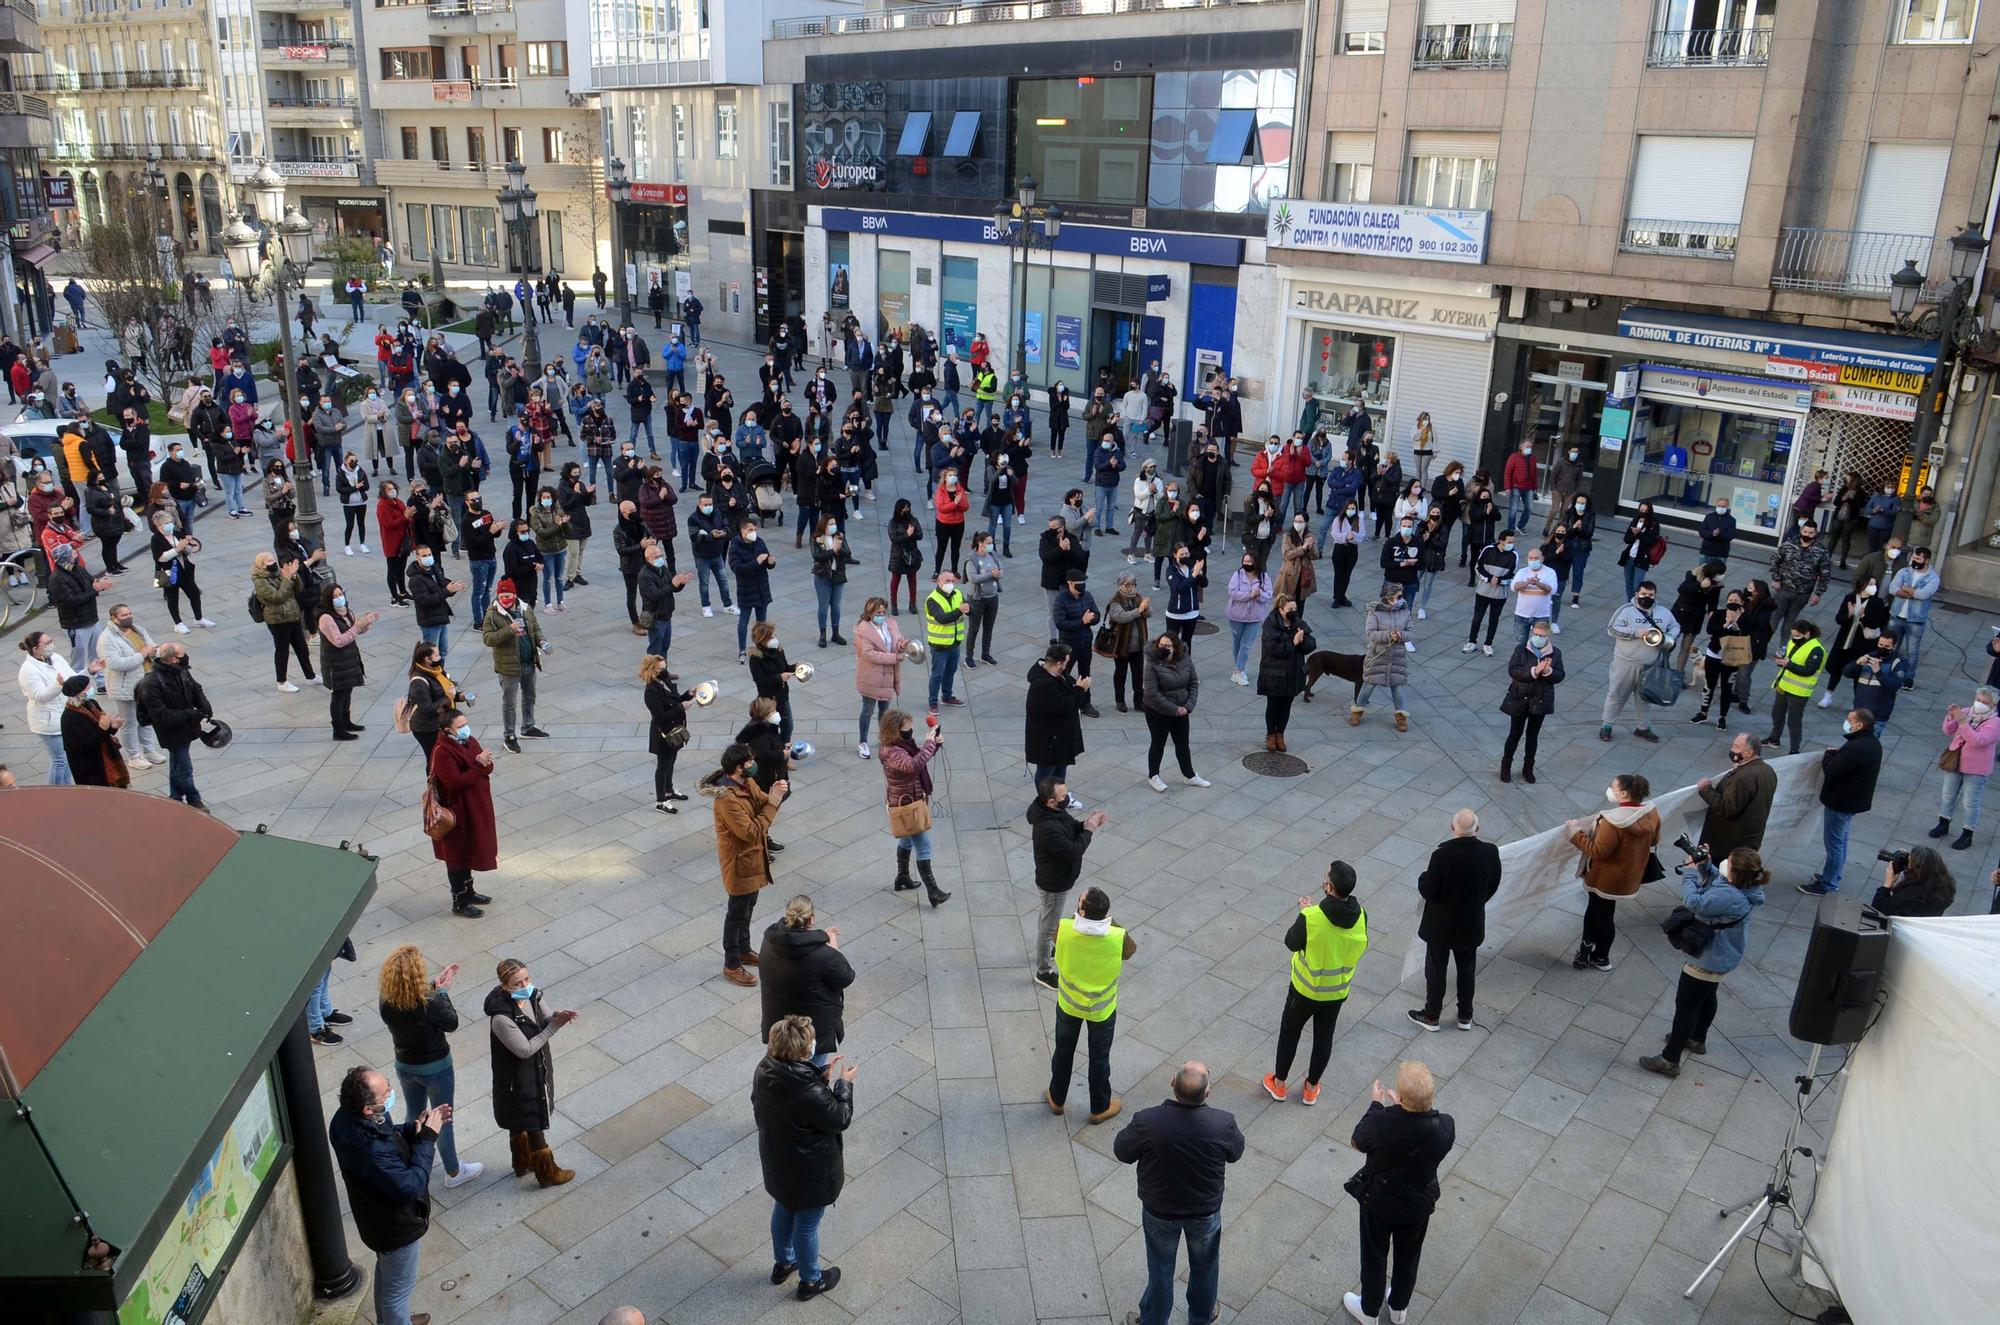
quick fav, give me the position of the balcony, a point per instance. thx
(1853, 263)
(496, 92)
(307, 52)
(1486, 50)
(303, 167)
(146, 80)
(134, 151)
(463, 16)
(919, 17)
(489, 177)
(1679, 239)
(20, 30)
(24, 121)
(331, 112)
(1710, 47)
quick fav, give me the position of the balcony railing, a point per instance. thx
(113, 82)
(313, 103)
(920, 17)
(1484, 51)
(338, 50)
(1710, 46)
(1685, 239)
(1851, 262)
(134, 151)
(470, 8)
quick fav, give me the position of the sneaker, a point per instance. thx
(1769, 742)
(467, 1171)
(1469, 647)
(862, 750)
(339, 1018)
(1646, 734)
(732, 609)
(1604, 733)
(1020, 519)
(288, 687)
(707, 611)
(1309, 1095)
(325, 1037)
(1197, 780)
(1698, 1047)
(347, 551)
(829, 1279)
(1600, 963)
(1486, 649)
(1825, 701)
(1576, 600)
(316, 681)
(782, 1270)
(1818, 888)
(1465, 1023)
(1074, 804)
(1274, 1087)
(536, 732)
(1555, 628)
(1665, 1067)
(1156, 782)
(1352, 1301)
(513, 746)
(363, 547)
(180, 627)
(667, 807)
(1409, 646)
(1046, 979)
(954, 702)
(1417, 1015)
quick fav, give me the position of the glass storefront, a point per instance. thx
(1058, 312)
(1342, 366)
(959, 288)
(892, 293)
(1684, 455)
(656, 238)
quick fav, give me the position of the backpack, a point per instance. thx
(256, 608)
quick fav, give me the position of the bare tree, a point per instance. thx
(137, 280)
(580, 148)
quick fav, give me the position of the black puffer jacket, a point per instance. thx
(799, 1124)
(524, 1089)
(802, 974)
(1281, 670)
(427, 587)
(1529, 695)
(1060, 839)
(340, 665)
(1404, 1151)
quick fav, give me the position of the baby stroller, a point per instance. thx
(762, 476)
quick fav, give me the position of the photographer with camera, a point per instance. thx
(1914, 883)
(1710, 926)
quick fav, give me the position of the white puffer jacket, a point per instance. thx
(41, 684)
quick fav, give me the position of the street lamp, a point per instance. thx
(621, 193)
(517, 211)
(1958, 330)
(156, 178)
(1015, 222)
(290, 257)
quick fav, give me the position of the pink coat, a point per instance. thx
(1974, 743)
(878, 672)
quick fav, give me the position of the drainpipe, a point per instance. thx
(1308, 38)
(333, 1270)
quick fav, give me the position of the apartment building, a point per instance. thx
(456, 90)
(27, 203)
(1659, 232)
(131, 84)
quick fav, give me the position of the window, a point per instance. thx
(413, 63)
(510, 145)
(1233, 137)
(1897, 217)
(326, 147)
(1350, 167)
(1698, 32)
(193, 56)
(152, 119)
(638, 140)
(680, 137)
(1085, 139)
(444, 231)
(1452, 170)
(555, 244)
(1687, 195)
(779, 117)
(506, 60)
(964, 137)
(174, 126)
(475, 145)
(1476, 34)
(1364, 27)
(417, 232)
(441, 145)
(548, 59)
(552, 146)
(725, 133)
(410, 145)
(482, 236)
(916, 136)
(1937, 20)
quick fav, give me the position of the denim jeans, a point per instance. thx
(1060, 772)
(795, 1239)
(482, 587)
(319, 1002)
(919, 843)
(232, 490)
(660, 635)
(553, 565)
(1968, 788)
(684, 455)
(1635, 574)
(1579, 557)
(187, 509)
(517, 690)
(437, 635)
(329, 458)
(1395, 697)
(871, 710)
(1556, 601)
(705, 567)
(1910, 641)
(1833, 828)
(1204, 1243)
(944, 669)
(743, 624)
(180, 775)
(1061, 1062)
(828, 594)
(396, 1283)
(591, 463)
(136, 737)
(1242, 634)
(646, 422)
(1520, 509)
(1000, 528)
(1054, 906)
(1426, 581)
(423, 1089)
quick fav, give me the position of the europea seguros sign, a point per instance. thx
(1425, 234)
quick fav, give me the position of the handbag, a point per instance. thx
(1357, 1184)
(1736, 651)
(676, 737)
(1662, 682)
(1654, 870)
(1106, 642)
(1948, 761)
(439, 820)
(910, 819)
(1689, 933)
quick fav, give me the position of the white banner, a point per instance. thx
(1865, 400)
(1426, 234)
(1535, 870)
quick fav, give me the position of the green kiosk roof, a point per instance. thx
(157, 958)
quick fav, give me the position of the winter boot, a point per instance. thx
(547, 1172)
(1506, 772)
(1354, 716)
(904, 883)
(1582, 958)
(1402, 721)
(937, 895)
(1943, 828)
(523, 1158)
(1963, 840)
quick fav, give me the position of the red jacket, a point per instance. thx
(1519, 473)
(976, 352)
(392, 517)
(950, 505)
(20, 378)
(1292, 461)
(1265, 467)
(466, 790)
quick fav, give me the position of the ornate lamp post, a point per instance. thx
(1016, 222)
(517, 211)
(621, 193)
(293, 253)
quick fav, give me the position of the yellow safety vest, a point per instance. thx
(1087, 967)
(1790, 682)
(1322, 972)
(940, 635)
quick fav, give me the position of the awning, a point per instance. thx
(37, 255)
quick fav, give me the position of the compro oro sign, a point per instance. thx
(1425, 234)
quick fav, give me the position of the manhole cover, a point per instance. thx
(1207, 628)
(1271, 764)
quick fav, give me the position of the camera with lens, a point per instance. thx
(1895, 860)
(1696, 853)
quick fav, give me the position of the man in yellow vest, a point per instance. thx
(1090, 952)
(1326, 941)
(944, 631)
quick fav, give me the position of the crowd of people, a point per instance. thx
(115, 699)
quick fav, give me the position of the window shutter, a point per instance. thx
(1451, 143)
(1364, 16)
(1698, 180)
(1351, 149)
(1902, 188)
(1438, 12)
(1119, 290)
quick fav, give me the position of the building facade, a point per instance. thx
(1162, 135)
(28, 203)
(456, 90)
(1658, 232)
(128, 85)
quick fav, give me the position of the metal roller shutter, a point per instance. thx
(1449, 378)
(1351, 149)
(1902, 187)
(1455, 143)
(1698, 180)
(1364, 16)
(1467, 11)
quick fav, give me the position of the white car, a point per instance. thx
(37, 438)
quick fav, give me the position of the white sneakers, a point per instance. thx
(1468, 647)
(1074, 804)
(1825, 700)
(1423, 614)
(346, 551)
(204, 623)
(1555, 628)
(1240, 678)
(180, 627)
(1409, 646)
(1487, 649)
(288, 687)
(707, 611)
(364, 547)
(1352, 1301)
(1156, 782)
(862, 750)
(733, 610)
(1197, 780)
(469, 1170)
(318, 681)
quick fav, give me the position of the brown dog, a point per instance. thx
(1325, 662)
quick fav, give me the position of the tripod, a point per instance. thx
(1778, 1191)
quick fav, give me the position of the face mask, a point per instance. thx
(1539, 643)
(1611, 794)
(426, 561)
(750, 769)
(1980, 710)
(1798, 640)
(1299, 525)
(1409, 529)
(951, 482)
(1527, 450)
(389, 1103)
(340, 602)
(1349, 512)
(1892, 553)
(546, 503)
(454, 390)
(1534, 563)
(1644, 600)
(524, 993)
(1573, 455)
(461, 734)
(706, 509)
(1918, 563)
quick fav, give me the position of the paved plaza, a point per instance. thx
(1582, 1189)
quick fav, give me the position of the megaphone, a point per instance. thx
(802, 672)
(705, 693)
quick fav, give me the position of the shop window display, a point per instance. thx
(1683, 457)
(1344, 366)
